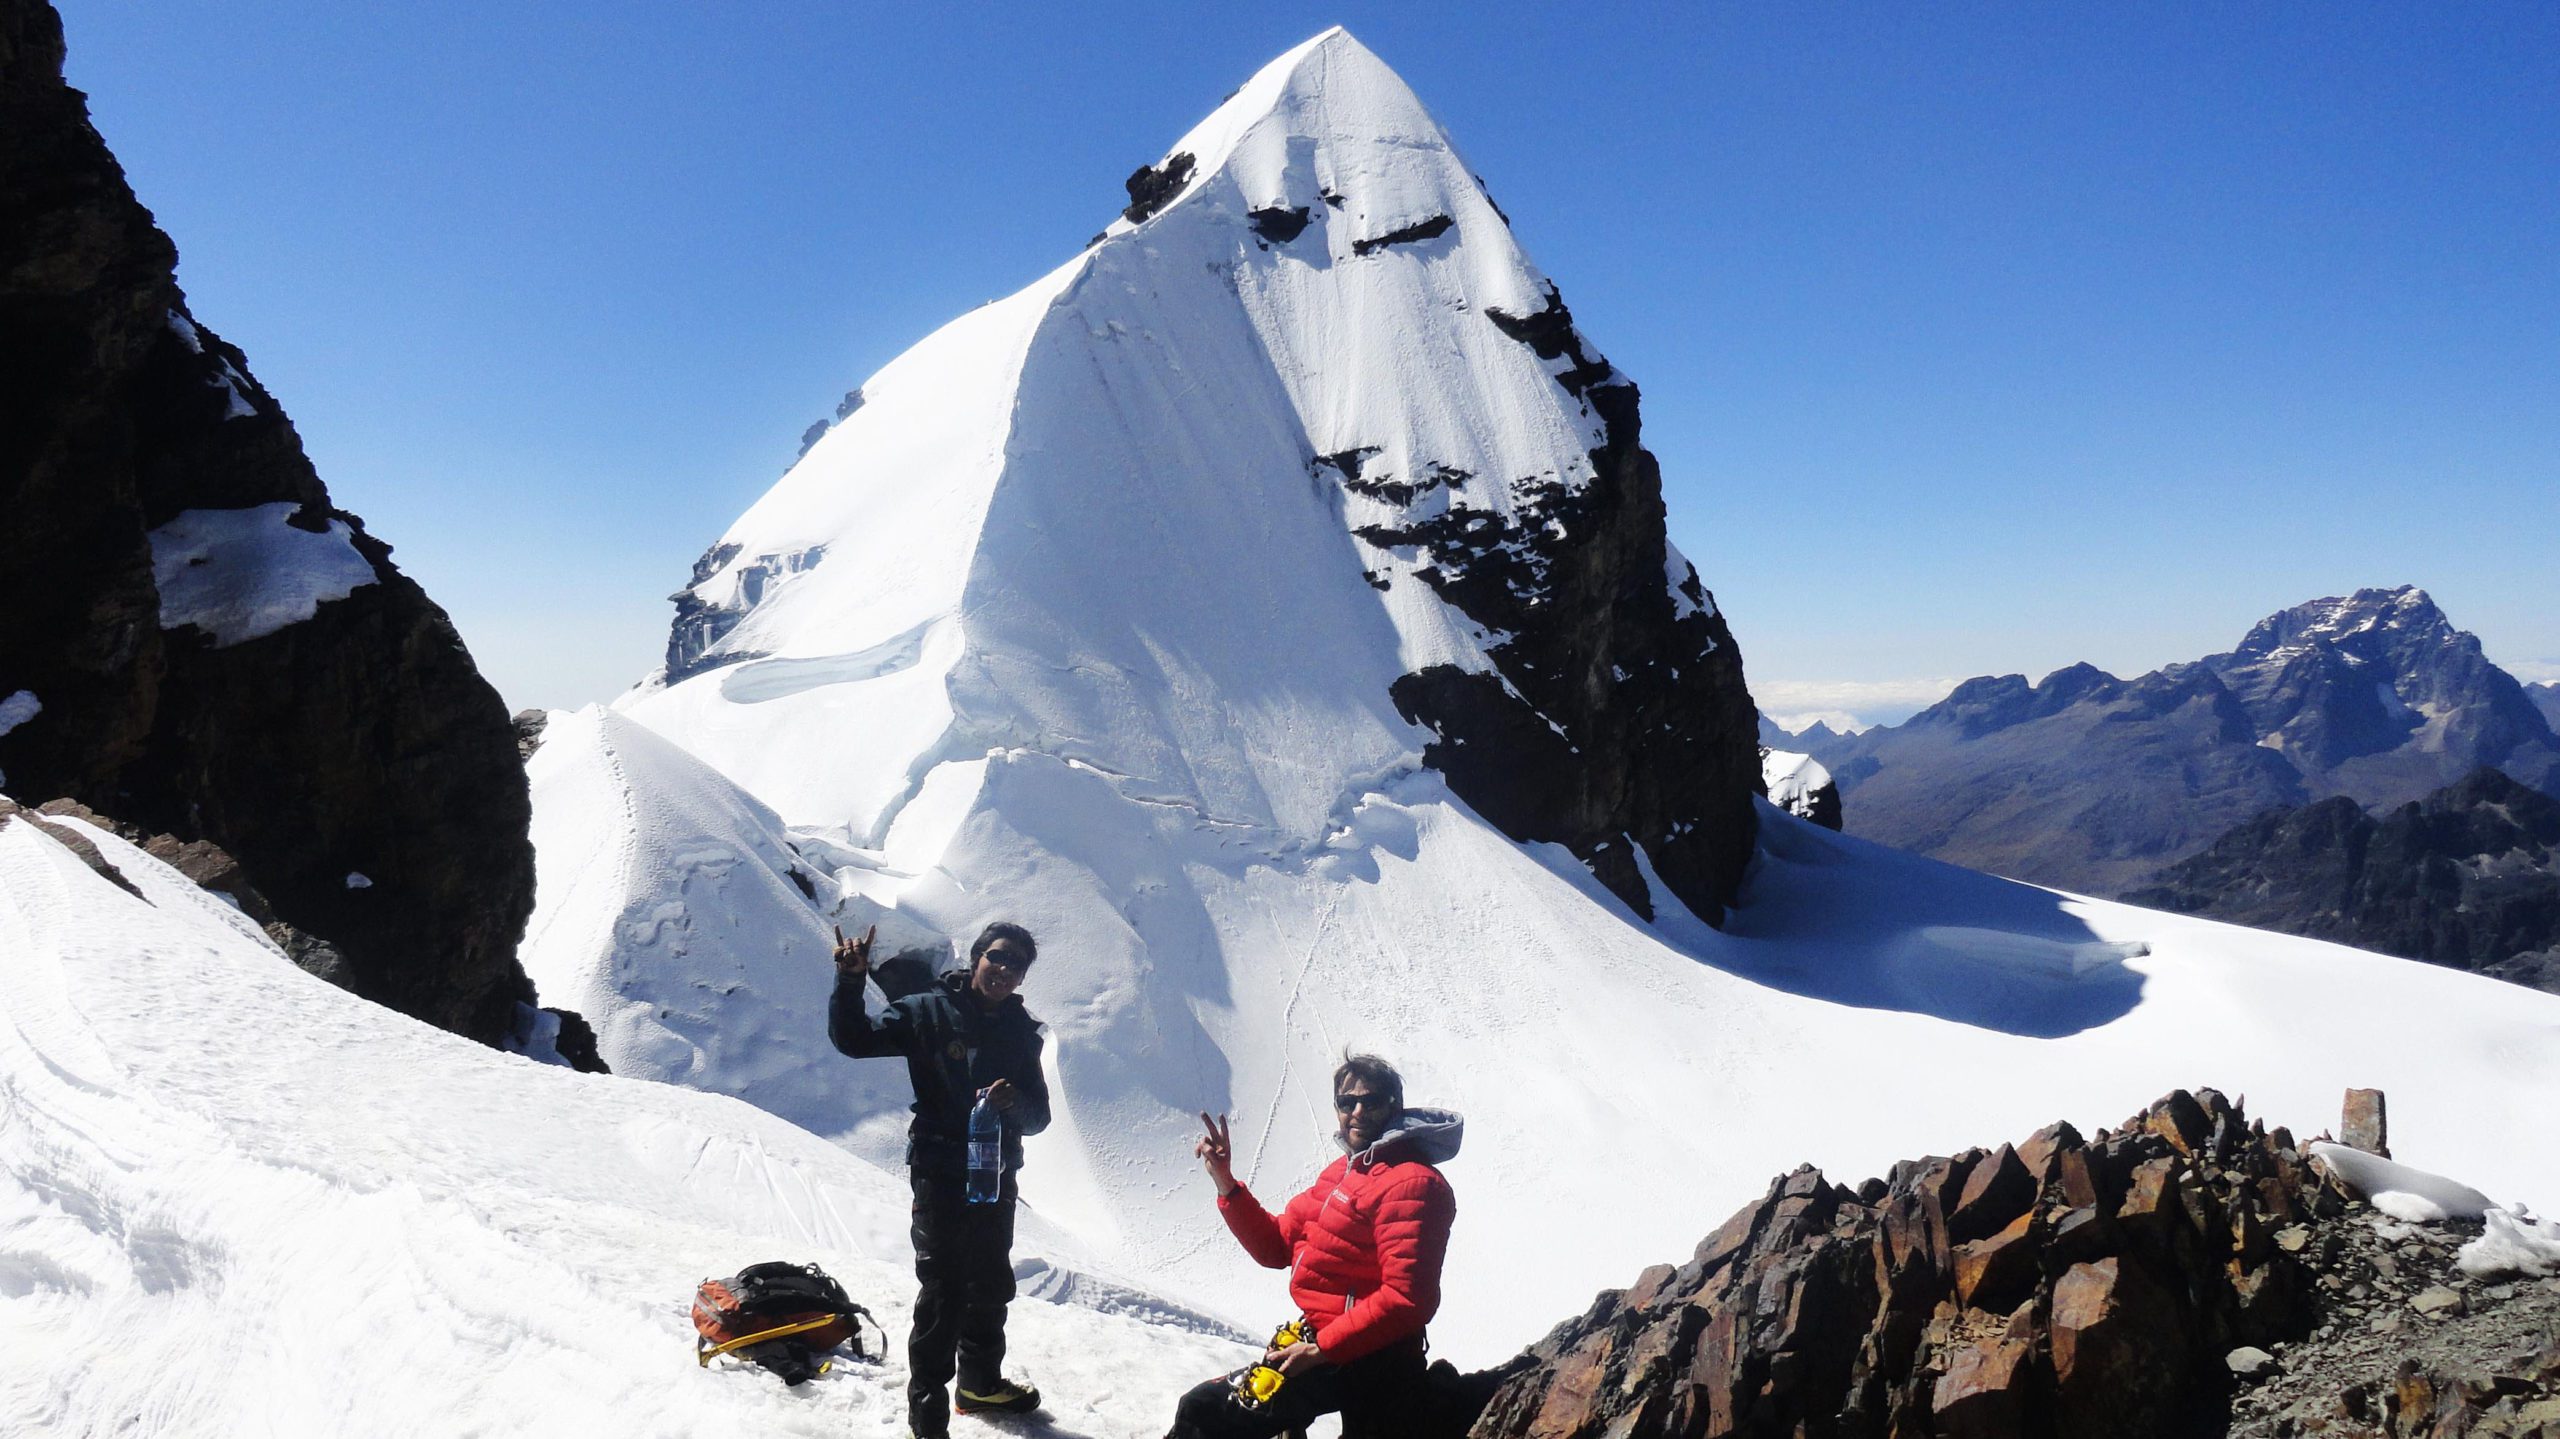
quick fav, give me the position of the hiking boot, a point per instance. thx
(1007, 1397)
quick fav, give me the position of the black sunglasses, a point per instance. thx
(1349, 1102)
(1006, 960)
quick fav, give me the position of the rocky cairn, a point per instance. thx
(353, 764)
(2113, 1285)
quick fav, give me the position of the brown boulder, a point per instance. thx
(1996, 1273)
(1998, 1190)
(2117, 1365)
(1984, 1393)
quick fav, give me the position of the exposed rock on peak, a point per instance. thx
(2061, 1286)
(210, 647)
(2377, 695)
(1152, 187)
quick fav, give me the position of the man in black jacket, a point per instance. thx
(964, 1036)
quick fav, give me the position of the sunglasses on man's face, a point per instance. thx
(1011, 963)
(1349, 1102)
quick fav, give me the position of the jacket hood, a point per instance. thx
(1425, 1136)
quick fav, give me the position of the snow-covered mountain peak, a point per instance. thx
(1327, 124)
(1298, 479)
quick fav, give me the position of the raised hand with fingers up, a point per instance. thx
(853, 956)
(1216, 1152)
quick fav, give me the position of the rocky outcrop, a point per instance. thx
(207, 647)
(2094, 783)
(1798, 784)
(1619, 718)
(2059, 1286)
(2468, 877)
(2407, 1346)
(1152, 187)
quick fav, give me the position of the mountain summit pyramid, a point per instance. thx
(1299, 478)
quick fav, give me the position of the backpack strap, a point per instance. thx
(705, 1352)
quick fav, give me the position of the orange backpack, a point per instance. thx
(778, 1315)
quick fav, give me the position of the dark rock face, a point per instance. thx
(1625, 721)
(2061, 1286)
(2468, 877)
(1420, 230)
(2093, 783)
(359, 741)
(1279, 224)
(1152, 187)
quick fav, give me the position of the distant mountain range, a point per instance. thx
(2546, 698)
(2092, 783)
(2468, 877)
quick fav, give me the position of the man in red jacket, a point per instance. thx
(1363, 1247)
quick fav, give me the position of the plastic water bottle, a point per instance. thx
(986, 1153)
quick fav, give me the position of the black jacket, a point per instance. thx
(953, 1048)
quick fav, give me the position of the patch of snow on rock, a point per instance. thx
(2512, 1244)
(2399, 1190)
(241, 574)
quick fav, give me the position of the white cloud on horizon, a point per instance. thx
(1840, 721)
(2536, 672)
(1846, 704)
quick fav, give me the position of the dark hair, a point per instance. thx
(1010, 933)
(1381, 1076)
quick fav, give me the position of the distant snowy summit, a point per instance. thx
(1298, 478)
(2094, 783)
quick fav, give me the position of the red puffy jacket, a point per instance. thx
(1363, 1244)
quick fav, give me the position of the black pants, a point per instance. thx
(1380, 1396)
(964, 1280)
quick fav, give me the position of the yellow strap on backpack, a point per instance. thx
(703, 1353)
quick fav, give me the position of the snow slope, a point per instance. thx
(236, 1200)
(1865, 1006)
(1065, 624)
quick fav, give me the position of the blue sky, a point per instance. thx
(1973, 338)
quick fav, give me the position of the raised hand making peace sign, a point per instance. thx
(1216, 1152)
(853, 956)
